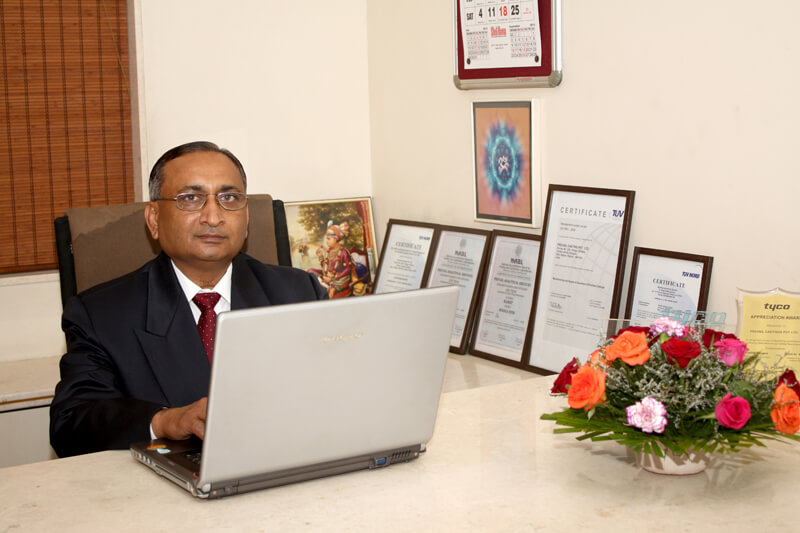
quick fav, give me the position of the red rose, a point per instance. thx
(565, 377)
(633, 329)
(789, 378)
(711, 336)
(680, 351)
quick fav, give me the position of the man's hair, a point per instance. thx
(157, 174)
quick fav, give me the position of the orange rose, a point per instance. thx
(785, 410)
(587, 389)
(596, 359)
(630, 347)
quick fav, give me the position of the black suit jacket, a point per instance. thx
(133, 348)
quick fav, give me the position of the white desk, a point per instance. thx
(491, 466)
(26, 390)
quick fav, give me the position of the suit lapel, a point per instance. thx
(246, 291)
(170, 340)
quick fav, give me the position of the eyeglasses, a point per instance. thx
(193, 201)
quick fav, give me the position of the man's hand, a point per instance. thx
(181, 423)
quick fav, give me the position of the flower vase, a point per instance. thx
(692, 462)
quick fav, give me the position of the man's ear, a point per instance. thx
(151, 218)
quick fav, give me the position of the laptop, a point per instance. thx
(308, 390)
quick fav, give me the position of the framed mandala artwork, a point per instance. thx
(503, 161)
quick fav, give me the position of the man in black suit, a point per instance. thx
(136, 366)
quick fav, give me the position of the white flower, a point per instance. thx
(649, 415)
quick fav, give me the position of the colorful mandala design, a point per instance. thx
(502, 161)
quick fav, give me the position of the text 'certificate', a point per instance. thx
(405, 255)
(578, 276)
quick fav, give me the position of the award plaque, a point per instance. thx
(405, 256)
(665, 283)
(769, 322)
(579, 277)
(458, 260)
(507, 296)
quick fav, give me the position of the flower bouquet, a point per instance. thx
(677, 388)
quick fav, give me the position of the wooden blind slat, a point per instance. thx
(64, 118)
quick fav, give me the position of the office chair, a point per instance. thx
(97, 244)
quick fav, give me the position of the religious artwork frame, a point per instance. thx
(662, 277)
(459, 258)
(348, 268)
(506, 182)
(405, 255)
(503, 315)
(579, 275)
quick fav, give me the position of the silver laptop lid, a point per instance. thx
(301, 384)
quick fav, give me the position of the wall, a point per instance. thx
(298, 121)
(205, 69)
(690, 104)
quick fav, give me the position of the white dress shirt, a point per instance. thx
(190, 288)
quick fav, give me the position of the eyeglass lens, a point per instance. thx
(227, 200)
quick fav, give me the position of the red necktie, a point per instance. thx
(208, 319)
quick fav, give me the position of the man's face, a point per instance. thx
(210, 237)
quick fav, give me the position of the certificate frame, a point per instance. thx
(467, 301)
(307, 225)
(477, 347)
(423, 229)
(673, 260)
(506, 184)
(548, 74)
(605, 214)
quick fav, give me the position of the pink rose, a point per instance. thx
(731, 351)
(732, 412)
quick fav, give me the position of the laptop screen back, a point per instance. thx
(301, 384)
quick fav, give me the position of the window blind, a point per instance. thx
(65, 133)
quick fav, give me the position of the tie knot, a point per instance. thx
(206, 300)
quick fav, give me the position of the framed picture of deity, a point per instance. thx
(506, 182)
(335, 241)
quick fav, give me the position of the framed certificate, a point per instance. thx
(579, 277)
(506, 297)
(405, 256)
(459, 256)
(665, 283)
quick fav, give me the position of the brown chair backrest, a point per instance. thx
(109, 241)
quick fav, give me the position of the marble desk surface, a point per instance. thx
(492, 465)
